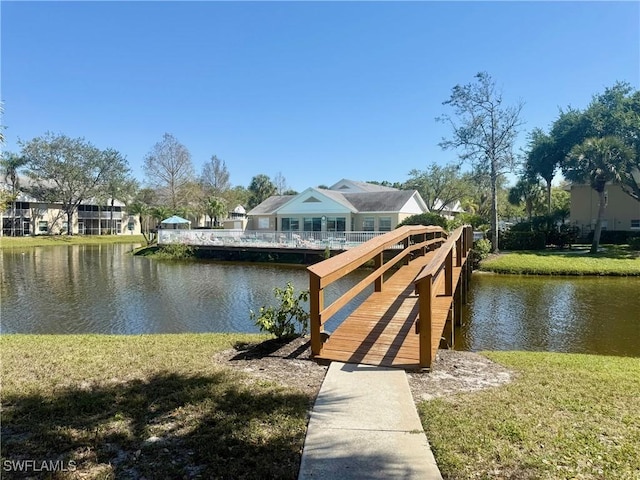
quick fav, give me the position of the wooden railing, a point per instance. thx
(414, 241)
(452, 253)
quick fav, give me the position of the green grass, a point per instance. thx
(564, 417)
(154, 406)
(47, 240)
(614, 260)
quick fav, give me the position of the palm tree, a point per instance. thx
(11, 164)
(598, 161)
(143, 212)
(215, 208)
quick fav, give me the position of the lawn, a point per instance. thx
(153, 406)
(613, 260)
(159, 406)
(564, 417)
(48, 240)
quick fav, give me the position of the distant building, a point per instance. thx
(31, 216)
(622, 211)
(346, 206)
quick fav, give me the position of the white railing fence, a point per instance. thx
(262, 239)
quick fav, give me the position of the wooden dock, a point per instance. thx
(401, 324)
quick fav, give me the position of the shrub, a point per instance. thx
(634, 243)
(480, 251)
(175, 251)
(425, 219)
(614, 237)
(289, 319)
(464, 218)
(511, 240)
(565, 236)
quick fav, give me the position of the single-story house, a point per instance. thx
(346, 206)
(622, 212)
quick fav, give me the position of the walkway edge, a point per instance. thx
(364, 424)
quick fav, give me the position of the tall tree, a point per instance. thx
(544, 158)
(281, 183)
(215, 177)
(597, 161)
(484, 130)
(118, 185)
(438, 186)
(615, 112)
(68, 170)
(168, 167)
(260, 189)
(527, 191)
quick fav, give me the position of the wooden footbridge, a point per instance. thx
(416, 303)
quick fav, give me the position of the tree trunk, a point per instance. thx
(494, 207)
(598, 229)
(111, 223)
(549, 198)
(69, 223)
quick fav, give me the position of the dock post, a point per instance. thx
(457, 302)
(316, 302)
(425, 302)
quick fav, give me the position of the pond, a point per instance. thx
(103, 289)
(558, 314)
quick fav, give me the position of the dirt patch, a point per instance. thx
(289, 363)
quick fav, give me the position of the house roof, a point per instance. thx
(376, 201)
(381, 201)
(270, 205)
(355, 187)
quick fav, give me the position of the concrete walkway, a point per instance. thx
(364, 425)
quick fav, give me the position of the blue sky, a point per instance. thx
(317, 91)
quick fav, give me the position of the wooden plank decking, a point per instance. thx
(383, 329)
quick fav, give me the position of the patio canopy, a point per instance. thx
(176, 222)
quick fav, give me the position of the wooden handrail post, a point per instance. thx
(448, 274)
(378, 261)
(425, 304)
(407, 259)
(459, 250)
(316, 303)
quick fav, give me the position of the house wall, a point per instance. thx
(622, 211)
(262, 222)
(46, 218)
(361, 218)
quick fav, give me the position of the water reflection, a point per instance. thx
(101, 289)
(561, 314)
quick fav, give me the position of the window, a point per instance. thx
(43, 226)
(368, 224)
(313, 224)
(263, 223)
(336, 224)
(290, 224)
(384, 224)
(635, 223)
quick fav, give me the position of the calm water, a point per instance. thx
(101, 289)
(559, 314)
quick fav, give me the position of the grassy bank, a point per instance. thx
(153, 406)
(159, 406)
(46, 240)
(564, 417)
(613, 260)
